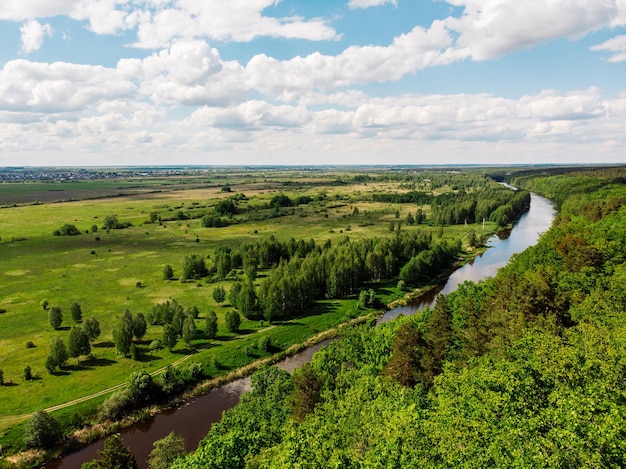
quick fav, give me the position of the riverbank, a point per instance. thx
(87, 436)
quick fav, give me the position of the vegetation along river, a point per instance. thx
(193, 420)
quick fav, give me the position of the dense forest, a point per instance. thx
(527, 369)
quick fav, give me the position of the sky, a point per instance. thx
(312, 82)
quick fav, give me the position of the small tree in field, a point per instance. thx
(233, 321)
(78, 343)
(76, 311)
(55, 317)
(1, 377)
(91, 326)
(58, 353)
(168, 272)
(210, 325)
(44, 304)
(219, 294)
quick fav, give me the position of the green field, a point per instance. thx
(109, 271)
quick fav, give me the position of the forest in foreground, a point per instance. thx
(527, 369)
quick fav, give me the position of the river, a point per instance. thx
(193, 420)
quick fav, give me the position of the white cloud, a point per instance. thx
(58, 87)
(354, 4)
(408, 53)
(190, 72)
(616, 45)
(33, 34)
(489, 28)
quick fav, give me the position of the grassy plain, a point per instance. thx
(101, 270)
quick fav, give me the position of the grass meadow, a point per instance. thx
(107, 272)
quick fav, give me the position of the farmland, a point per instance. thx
(108, 270)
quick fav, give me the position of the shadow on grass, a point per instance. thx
(147, 357)
(104, 345)
(99, 362)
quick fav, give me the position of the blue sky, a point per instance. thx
(116, 82)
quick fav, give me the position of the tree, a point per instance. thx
(307, 386)
(115, 455)
(78, 343)
(169, 336)
(76, 311)
(168, 272)
(189, 330)
(1, 377)
(123, 333)
(233, 321)
(28, 373)
(165, 451)
(58, 352)
(55, 317)
(210, 325)
(91, 326)
(140, 326)
(42, 431)
(44, 304)
(110, 222)
(219, 294)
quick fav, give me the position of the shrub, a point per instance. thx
(28, 374)
(42, 431)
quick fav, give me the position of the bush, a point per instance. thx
(42, 431)
(30, 344)
(265, 343)
(28, 374)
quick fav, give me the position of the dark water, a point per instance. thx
(524, 234)
(193, 420)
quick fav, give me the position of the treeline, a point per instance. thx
(523, 370)
(494, 203)
(303, 272)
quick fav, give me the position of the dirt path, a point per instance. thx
(17, 418)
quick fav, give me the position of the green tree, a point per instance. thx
(58, 352)
(55, 317)
(110, 222)
(42, 431)
(141, 387)
(76, 311)
(170, 337)
(44, 304)
(168, 272)
(91, 326)
(115, 455)
(233, 321)
(219, 294)
(1, 377)
(210, 327)
(140, 326)
(307, 386)
(123, 333)
(78, 343)
(189, 330)
(165, 451)
(28, 373)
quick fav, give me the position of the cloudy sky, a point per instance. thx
(121, 82)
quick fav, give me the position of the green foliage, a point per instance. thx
(55, 317)
(123, 333)
(78, 343)
(168, 272)
(219, 294)
(1, 377)
(193, 268)
(140, 326)
(114, 455)
(307, 386)
(42, 431)
(170, 336)
(233, 321)
(165, 451)
(189, 330)
(76, 311)
(244, 430)
(91, 326)
(28, 374)
(67, 230)
(58, 353)
(210, 328)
